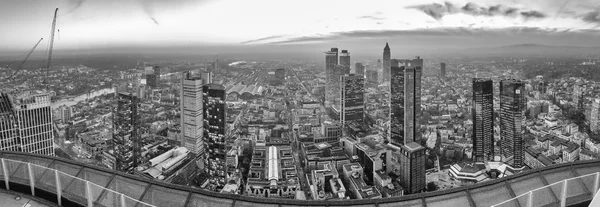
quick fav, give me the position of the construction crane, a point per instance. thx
(50, 48)
(20, 65)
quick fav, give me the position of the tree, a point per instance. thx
(431, 186)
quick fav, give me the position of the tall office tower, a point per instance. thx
(345, 62)
(192, 118)
(214, 132)
(412, 100)
(405, 90)
(397, 105)
(207, 77)
(359, 69)
(331, 60)
(512, 113)
(125, 145)
(412, 159)
(336, 91)
(483, 120)
(386, 62)
(151, 80)
(443, 70)
(9, 127)
(353, 93)
(65, 113)
(595, 116)
(578, 95)
(34, 118)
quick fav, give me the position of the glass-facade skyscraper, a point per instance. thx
(332, 76)
(345, 62)
(214, 133)
(385, 74)
(125, 145)
(512, 114)
(483, 120)
(352, 103)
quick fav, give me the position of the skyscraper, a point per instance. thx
(386, 63)
(483, 120)
(397, 105)
(443, 70)
(152, 79)
(345, 62)
(353, 91)
(331, 60)
(512, 114)
(214, 132)
(595, 116)
(9, 127)
(359, 69)
(125, 145)
(405, 95)
(412, 100)
(578, 91)
(192, 120)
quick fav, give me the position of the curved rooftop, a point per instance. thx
(111, 188)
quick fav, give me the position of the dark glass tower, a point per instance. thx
(512, 111)
(332, 76)
(443, 70)
(214, 133)
(359, 69)
(353, 91)
(386, 62)
(345, 62)
(405, 93)
(125, 145)
(483, 120)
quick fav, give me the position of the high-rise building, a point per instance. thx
(153, 77)
(345, 62)
(405, 95)
(125, 145)
(412, 159)
(483, 120)
(192, 118)
(512, 115)
(353, 91)
(9, 127)
(443, 70)
(214, 133)
(359, 69)
(595, 116)
(412, 100)
(578, 91)
(207, 77)
(397, 105)
(332, 76)
(34, 118)
(65, 113)
(386, 63)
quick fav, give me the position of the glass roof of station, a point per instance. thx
(163, 194)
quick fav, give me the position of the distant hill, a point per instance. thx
(533, 50)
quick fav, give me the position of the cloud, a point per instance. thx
(150, 7)
(532, 14)
(73, 5)
(371, 17)
(154, 20)
(432, 32)
(592, 17)
(437, 11)
(261, 39)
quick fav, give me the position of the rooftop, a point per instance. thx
(158, 193)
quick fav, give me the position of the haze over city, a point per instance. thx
(299, 103)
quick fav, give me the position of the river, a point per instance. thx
(81, 97)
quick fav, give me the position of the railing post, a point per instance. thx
(529, 199)
(58, 188)
(5, 172)
(563, 196)
(596, 182)
(88, 193)
(123, 200)
(31, 179)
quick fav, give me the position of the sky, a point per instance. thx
(90, 24)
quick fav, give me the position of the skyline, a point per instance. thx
(91, 25)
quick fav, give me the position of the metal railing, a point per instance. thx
(63, 185)
(556, 193)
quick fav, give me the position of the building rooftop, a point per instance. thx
(156, 193)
